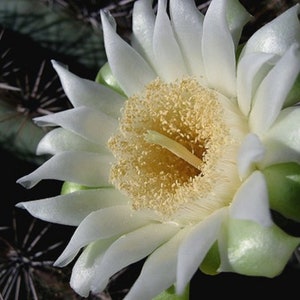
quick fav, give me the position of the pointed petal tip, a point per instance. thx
(20, 205)
(58, 65)
(54, 62)
(62, 261)
(107, 19)
(24, 182)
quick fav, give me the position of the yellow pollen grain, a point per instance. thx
(151, 175)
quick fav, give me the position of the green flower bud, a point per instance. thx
(256, 250)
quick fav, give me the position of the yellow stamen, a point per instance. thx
(174, 149)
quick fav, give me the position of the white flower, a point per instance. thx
(181, 149)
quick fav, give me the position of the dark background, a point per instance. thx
(32, 32)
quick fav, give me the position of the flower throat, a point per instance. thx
(169, 140)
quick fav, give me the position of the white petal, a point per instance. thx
(165, 47)
(131, 248)
(273, 91)
(282, 140)
(251, 70)
(251, 152)
(218, 49)
(128, 67)
(101, 224)
(187, 23)
(276, 36)
(83, 270)
(237, 17)
(83, 92)
(143, 20)
(159, 270)
(223, 246)
(91, 124)
(85, 168)
(71, 209)
(60, 140)
(251, 202)
(195, 246)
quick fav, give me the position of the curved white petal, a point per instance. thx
(85, 168)
(101, 224)
(276, 36)
(128, 67)
(272, 92)
(83, 270)
(60, 140)
(195, 246)
(282, 140)
(91, 124)
(165, 47)
(251, 202)
(237, 16)
(251, 152)
(251, 70)
(130, 248)
(71, 209)
(159, 270)
(218, 48)
(83, 92)
(143, 19)
(187, 23)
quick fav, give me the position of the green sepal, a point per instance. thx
(70, 187)
(212, 261)
(170, 294)
(106, 78)
(256, 250)
(283, 181)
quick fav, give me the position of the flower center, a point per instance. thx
(174, 142)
